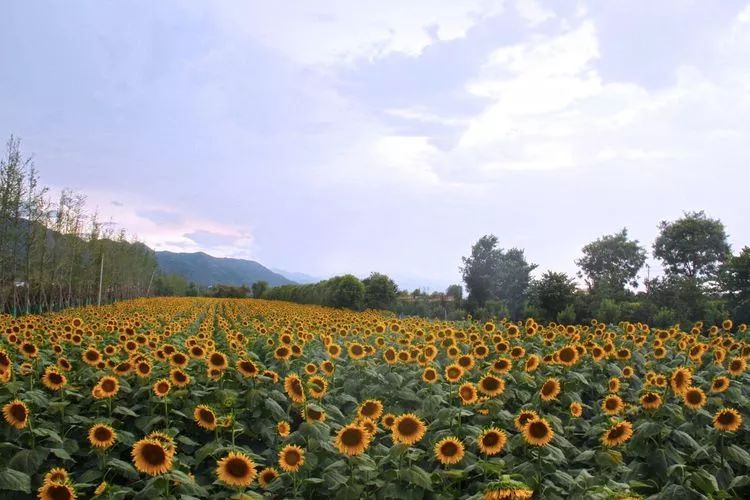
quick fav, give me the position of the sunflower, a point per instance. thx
(408, 429)
(205, 417)
(694, 398)
(507, 494)
(166, 441)
(53, 380)
(727, 419)
(538, 432)
(491, 441)
(161, 387)
(371, 408)
(247, 368)
(150, 457)
(109, 386)
(311, 414)
(737, 366)
(179, 378)
(502, 365)
(614, 384)
(468, 393)
(651, 401)
(430, 375)
(16, 413)
(681, 379)
(317, 386)
(550, 389)
(101, 488)
(291, 458)
(352, 440)
(523, 418)
(102, 436)
(491, 385)
(453, 373)
(56, 475)
(618, 434)
(283, 428)
(57, 491)
(576, 410)
(388, 420)
(532, 363)
(293, 387)
(267, 476)
(217, 360)
(612, 404)
(449, 450)
(568, 355)
(236, 469)
(720, 384)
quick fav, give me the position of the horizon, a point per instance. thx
(330, 140)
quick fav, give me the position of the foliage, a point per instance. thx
(612, 262)
(553, 293)
(380, 291)
(692, 247)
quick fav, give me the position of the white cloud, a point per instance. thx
(532, 12)
(335, 31)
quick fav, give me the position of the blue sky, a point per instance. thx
(338, 136)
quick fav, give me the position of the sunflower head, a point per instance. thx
(205, 417)
(352, 440)
(491, 441)
(57, 491)
(538, 432)
(618, 434)
(102, 436)
(727, 419)
(151, 457)
(408, 429)
(236, 469)
(291, 458)
(16, 414)
(449, 450)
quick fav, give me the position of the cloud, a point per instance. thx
(160, 217)
(334, 31)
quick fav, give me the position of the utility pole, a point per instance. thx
(101, 275)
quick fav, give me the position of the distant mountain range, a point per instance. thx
(206, 270)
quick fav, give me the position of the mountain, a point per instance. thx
(301, 278)
(207, 270)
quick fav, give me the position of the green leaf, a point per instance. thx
(420, 477)
(124, 468)
(276, 411)
(13, 480)
(123, 410)
(28, 461)
(738, 455)
(60, 453)
(704, 482)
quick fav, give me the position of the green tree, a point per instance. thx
(513, 280)
(346, 291)
(259, 288)
(611, 263)
(380, 291)
(480, 270)
(553, 293)
(735, 281)
(693, 246)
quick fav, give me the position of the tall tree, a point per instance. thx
(611, 263)
(456, 293)
(553, 293)
(513, 280)
(480, 269)
(735, 281)
(380, 291)
(259, 288)
(693, 246)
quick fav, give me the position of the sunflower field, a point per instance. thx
(211, 398)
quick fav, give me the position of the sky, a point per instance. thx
(336, 136)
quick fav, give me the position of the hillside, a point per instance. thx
(207, 270)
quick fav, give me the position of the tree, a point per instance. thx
(259, 288)
(553, 293)
(611, 263)
(513, 280)
(480, 269)
(735, 281)
(456, 292)
(692, 247)
(380, 291)
(346, 291)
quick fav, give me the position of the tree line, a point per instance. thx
(702, 280)
(51, 249)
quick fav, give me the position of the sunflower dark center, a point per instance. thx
(490, 383)
(491, 439)
(449, 449)
(207, 416)
(726, 418)
(19, 412)
(407, 427)
(351, 437)
(59, 492)
(154, 454)
(538, 429)
(237, 467)
(292, 457)
(102, 434)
